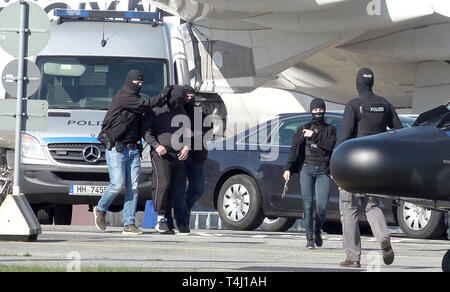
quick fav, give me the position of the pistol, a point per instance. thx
(285, 188)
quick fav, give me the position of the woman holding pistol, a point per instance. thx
(310, 155)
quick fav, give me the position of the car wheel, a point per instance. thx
(419, 222)
(446, 262)
(239, 203)
(277, 224)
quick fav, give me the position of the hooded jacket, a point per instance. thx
(157, 128)
(122, 120)
(353, 124)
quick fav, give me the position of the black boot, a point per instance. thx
(318, 239)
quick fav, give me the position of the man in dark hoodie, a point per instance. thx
(365, 115)
(170, 147)
(194, 165)
(121, 135)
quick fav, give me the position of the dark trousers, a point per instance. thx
(315, 188)
(185, 199)
(166, 176)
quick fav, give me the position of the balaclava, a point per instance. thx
(177, 97)
(319, 117)
(134, 75)
(189, 90)
(364, 81)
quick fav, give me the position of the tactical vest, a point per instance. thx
(374, 118)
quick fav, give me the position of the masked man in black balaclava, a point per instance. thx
(365, 115)
(310, 155)
(170, 141)
(121, 135)
(194, 165)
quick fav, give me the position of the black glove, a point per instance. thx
(166, 91)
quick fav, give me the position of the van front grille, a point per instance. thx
(72, 153)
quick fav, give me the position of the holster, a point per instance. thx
(103, 137)
(119, 146)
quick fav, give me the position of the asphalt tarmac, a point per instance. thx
(75, 248)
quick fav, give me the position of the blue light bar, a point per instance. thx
(69, 13)
(142, 15)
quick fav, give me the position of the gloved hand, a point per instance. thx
(166, 91)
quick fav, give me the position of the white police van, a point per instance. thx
(83, 67)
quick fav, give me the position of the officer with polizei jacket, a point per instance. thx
(121, 135)
(365, 115)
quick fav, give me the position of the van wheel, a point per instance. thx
(240, 203)
(63, 214)
(44, 214)
(419, 222)
(277, 224)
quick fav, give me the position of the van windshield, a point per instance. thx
(91, 82)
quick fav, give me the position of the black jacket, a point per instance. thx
(198, 152)
(325, 140)
(354, 109)
(122, 120)
(157, 126)
(352, 115)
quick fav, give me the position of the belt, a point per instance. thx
(313, 163)
(131, 146)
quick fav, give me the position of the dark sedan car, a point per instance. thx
(244, 183)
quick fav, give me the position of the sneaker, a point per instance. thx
(350, 264)
(310, 243)
(163, 227)
(388, 253)
(184, 229)
(100, 221)
(132, 229)
(318, 239)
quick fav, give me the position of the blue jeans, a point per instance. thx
(314, 181)
(124, 169)
(185, 199)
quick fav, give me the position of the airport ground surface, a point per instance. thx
(86, 248)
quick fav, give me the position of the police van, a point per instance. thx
(83, 67)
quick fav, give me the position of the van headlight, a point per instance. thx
(31, 148)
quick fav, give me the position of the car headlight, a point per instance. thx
(31, 148)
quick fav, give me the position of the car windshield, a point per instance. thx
(91, 82)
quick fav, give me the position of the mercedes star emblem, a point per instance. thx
(91, 154)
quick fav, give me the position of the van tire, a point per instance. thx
(44, 214)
